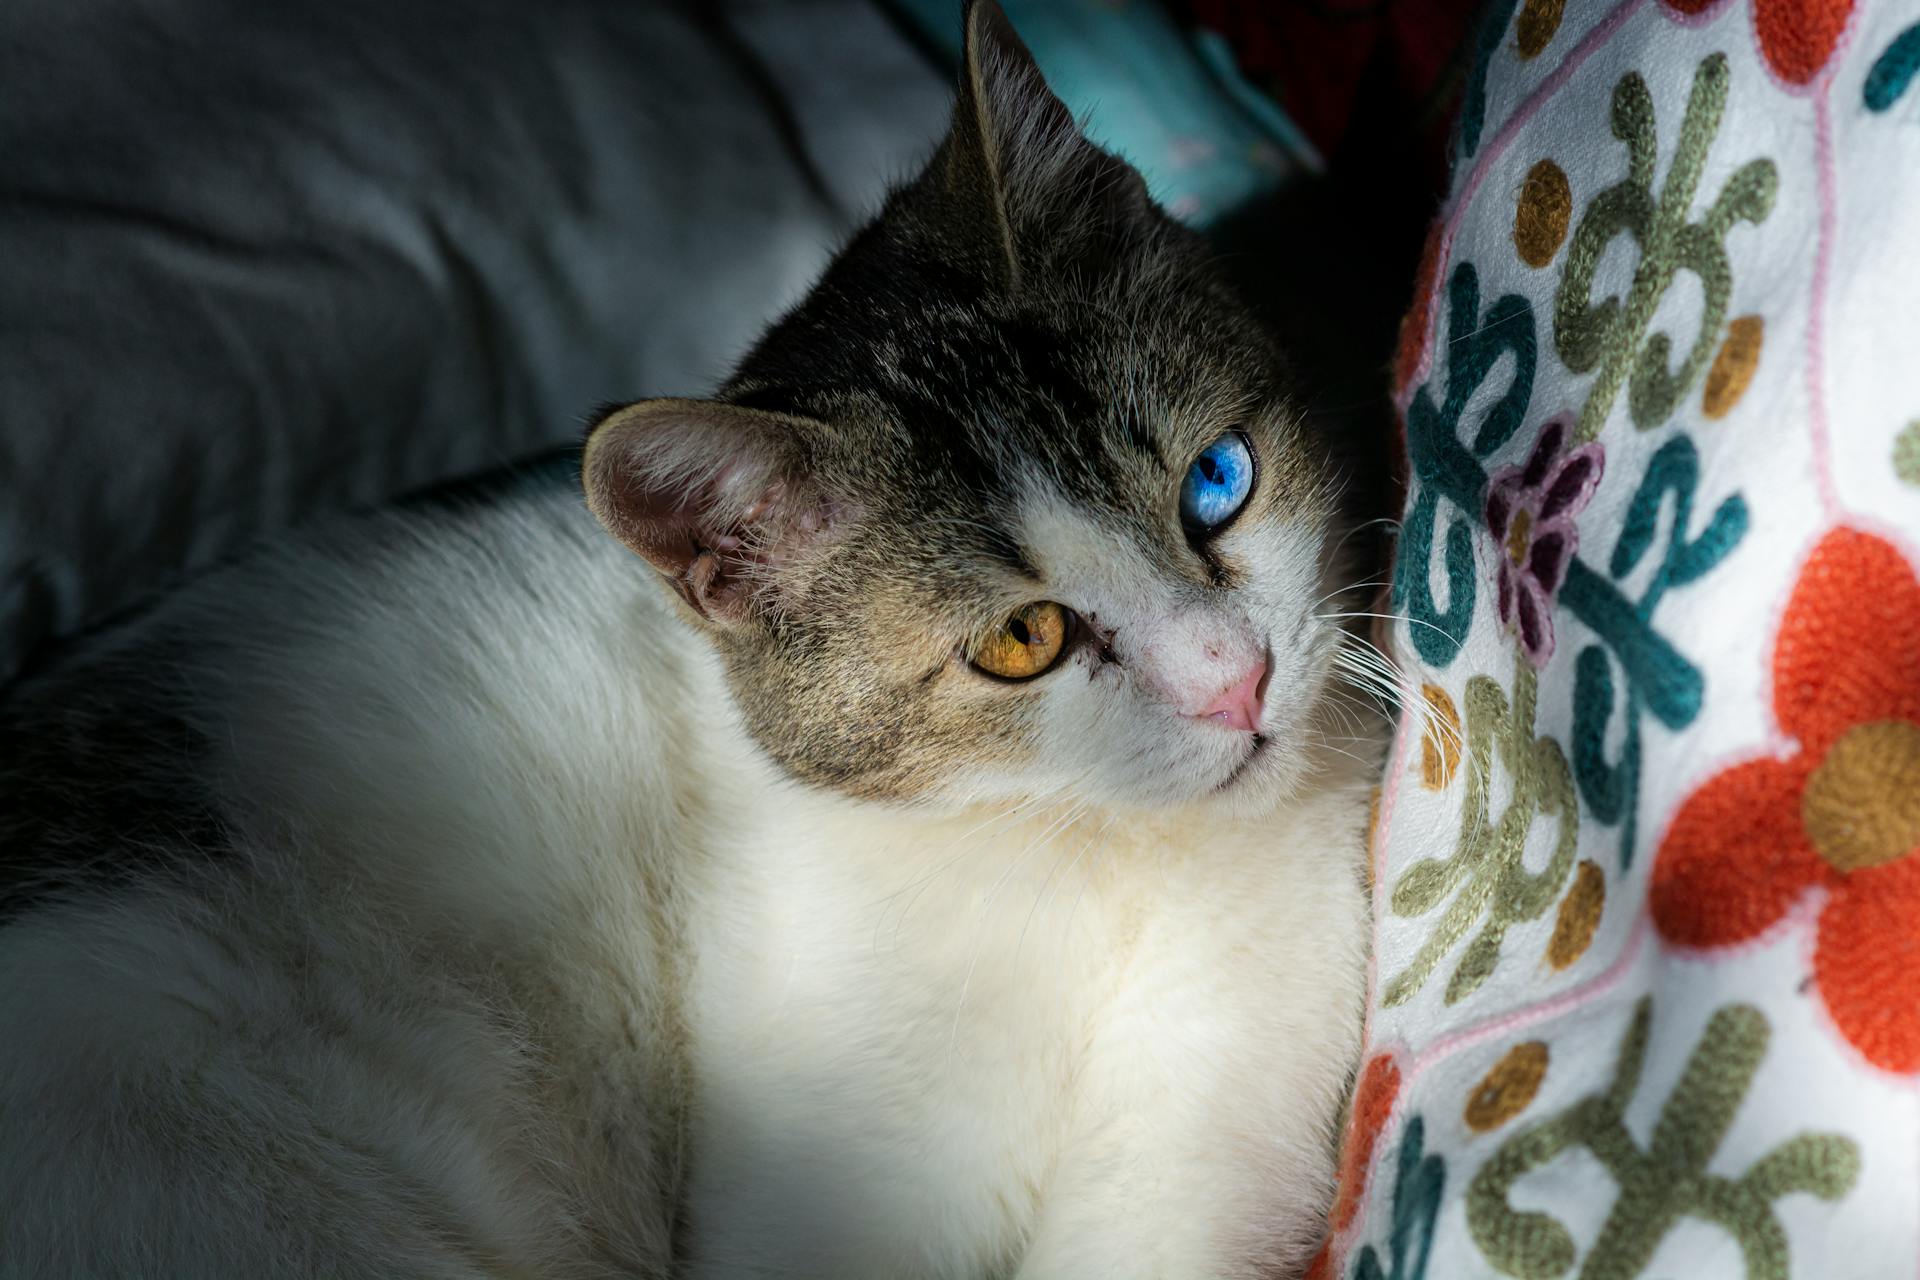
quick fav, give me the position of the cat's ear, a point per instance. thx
(1016, 155)
(712, 494)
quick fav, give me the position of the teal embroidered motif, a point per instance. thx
(1656, 678)
(1419, 1180)
(1444, 471)
(1473, 106)
(1448, 475)
(1893, 70)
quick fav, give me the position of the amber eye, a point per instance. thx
(1026, 644)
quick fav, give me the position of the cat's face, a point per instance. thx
(1013, 504)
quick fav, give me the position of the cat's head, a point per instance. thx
(1014, 503)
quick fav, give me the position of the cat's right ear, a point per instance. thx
(1015, 162)
(712, 494)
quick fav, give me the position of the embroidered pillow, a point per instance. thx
(1647, 855)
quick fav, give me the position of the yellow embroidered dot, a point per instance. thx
(1505, 1091)
(1733, 366)
(1540, 219)
(1440, 744)
(1539, 20)
(1579, 915)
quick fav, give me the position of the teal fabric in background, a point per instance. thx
(1170, 101)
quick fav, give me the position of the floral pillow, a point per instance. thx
(1646, 997)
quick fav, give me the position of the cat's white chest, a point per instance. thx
(888, 1041)
(900, 1039)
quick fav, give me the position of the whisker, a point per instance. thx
(1091, 840)
(1087, 880)
(1323, 744)
(963, 845)
(1390, 617)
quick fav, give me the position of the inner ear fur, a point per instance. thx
(713, 495)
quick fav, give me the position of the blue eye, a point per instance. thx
(1217, 483)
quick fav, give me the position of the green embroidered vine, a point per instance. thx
(1486, 873)
(1608, 334)
(1668, 1179)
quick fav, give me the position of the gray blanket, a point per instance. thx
(260, 259)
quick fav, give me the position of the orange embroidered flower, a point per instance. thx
(1842, 811)
(1372, 1103)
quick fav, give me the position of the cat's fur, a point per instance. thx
(443, 896)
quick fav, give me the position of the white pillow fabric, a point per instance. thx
(1647, 986)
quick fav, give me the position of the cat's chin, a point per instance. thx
(1284, 765)
(1266, 780)
(1265, 773)
(1255, 754)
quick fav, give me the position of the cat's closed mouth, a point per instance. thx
(1260, 741)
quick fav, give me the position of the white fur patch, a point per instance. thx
(523, 944)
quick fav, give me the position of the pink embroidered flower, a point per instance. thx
(1531, 511)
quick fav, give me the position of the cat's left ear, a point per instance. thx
(714, 495)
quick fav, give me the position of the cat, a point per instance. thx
(936, 853)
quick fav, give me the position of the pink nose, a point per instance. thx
(1239, 707)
